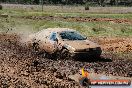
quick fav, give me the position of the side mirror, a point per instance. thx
(86, 37)
(56, 40)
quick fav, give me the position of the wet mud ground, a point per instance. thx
(21, 68)
(77, 19)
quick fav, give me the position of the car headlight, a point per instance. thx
(70, 48)
(94, 48)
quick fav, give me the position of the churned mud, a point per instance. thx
(115, 44)
(19, 67)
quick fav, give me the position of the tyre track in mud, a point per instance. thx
(115, 44)
(21, 68)
(76, 19)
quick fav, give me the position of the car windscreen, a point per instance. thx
(71, 35)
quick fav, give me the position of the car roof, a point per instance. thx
(48, 31)
(56, 29)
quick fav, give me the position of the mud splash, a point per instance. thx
(19, 67)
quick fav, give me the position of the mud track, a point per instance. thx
(19, 67)
(77, 19)
(117, 44)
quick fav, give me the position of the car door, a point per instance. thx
(52, 43)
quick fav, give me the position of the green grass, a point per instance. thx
(87, 28)
(63, 14)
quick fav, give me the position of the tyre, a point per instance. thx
(36, 50)
(65, 54)
(35, 47)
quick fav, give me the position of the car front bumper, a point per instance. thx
(94, 53)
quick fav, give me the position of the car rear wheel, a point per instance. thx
(64, 54)
(36, 50)
(35, 47)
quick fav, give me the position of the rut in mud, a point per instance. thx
(117, 44)
(77, 19)
(19, 67)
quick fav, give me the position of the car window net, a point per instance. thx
(53, 36)
(71, 35)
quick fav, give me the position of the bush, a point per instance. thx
(0, 7)
(99, 29)
(87, 6)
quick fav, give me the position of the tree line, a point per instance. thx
(71, 2)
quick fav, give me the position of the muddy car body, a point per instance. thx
(65, 41)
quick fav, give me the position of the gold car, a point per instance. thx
(64, 42)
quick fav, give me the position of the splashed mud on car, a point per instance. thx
(65, 41)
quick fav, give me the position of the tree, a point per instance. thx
(100, 2)
(35, 1)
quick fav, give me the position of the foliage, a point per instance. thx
(71, 2)
(87, 6)
(0, 7)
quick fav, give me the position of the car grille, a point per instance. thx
(85, 50)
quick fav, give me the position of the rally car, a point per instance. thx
(63, 42)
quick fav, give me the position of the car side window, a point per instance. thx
(53, 36)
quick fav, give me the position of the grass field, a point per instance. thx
(18, 15)
(68, 8)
